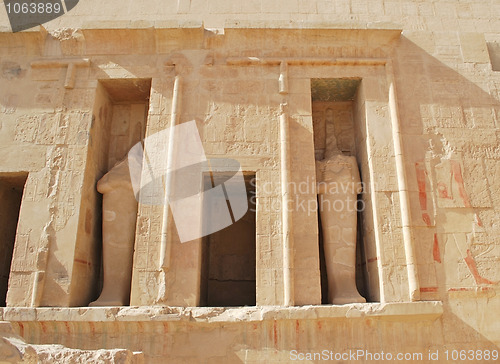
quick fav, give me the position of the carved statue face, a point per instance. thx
(328, 116)
(331, 142)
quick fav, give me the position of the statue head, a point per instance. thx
(331, 141)
(329, 115)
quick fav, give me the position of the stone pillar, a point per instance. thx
(119, 215)
(338, 187)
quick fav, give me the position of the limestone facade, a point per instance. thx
(413, 88)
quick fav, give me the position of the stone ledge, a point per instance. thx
(117, 25)
(425, 310)
(228, 24)
(142, 24)
(5, 28)
(323, 25)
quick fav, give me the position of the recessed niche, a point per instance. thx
(229, 257)
(336, 111)
(118, 122)
(11, 193)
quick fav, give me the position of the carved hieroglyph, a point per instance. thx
(119, 213)
(338, 186)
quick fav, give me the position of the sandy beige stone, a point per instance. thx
(13, 349)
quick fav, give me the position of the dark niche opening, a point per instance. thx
(11, 194)
(229, 257)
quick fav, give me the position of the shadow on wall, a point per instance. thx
(450, 138)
